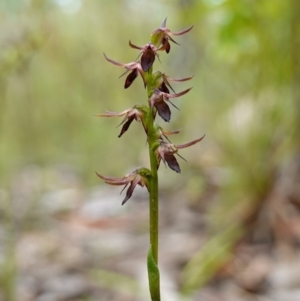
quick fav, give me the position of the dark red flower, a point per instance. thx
(158, 100)
(162, 133)
(137, 113)
(137, 177)
(162, 36)
(163, 81)
(148, 52)
(134, 67)
(166, 152)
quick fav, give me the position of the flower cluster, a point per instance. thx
(160, 93)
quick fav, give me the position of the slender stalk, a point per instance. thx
(153, 202)
(153, 185)
(153, 272)
(158, 95)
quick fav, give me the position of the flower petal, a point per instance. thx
(169, 38)
(173, 105)
(177, 94)
(163, 110)
(129, 191)
(166, 45)
(169, 133)
(147, 58)
(157, 96)
(164, 88)
(113, 180)
(143, 77)
(164, 23)
(179, 146)
(114, 62)
(113, 114)
(179, 79)
(182, 31)
(134, 46)
(130, 78)
(172, 162)
(126, 126)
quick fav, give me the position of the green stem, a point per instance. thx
(153, 199)
(153, 185)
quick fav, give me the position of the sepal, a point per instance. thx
(138, 113)
(138, 177)
(148, 54)
(166, 152)
(162, 35)
(158, 100)
(134, 67)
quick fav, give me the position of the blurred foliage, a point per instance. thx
(205, 263)
(244, 55)
(252, 109)
(116, 281)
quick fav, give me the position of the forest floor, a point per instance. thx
(71, 244)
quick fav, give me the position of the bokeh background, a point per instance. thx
(229, 222)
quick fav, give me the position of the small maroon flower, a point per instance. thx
(162, 36)
(164, 84)
(137, 177)
(158, 100)
(137, 113)
(134, 67)
(166, 152)
(162, 133)
(148, 52)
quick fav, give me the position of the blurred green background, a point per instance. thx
(54, 79)
(244, 55)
